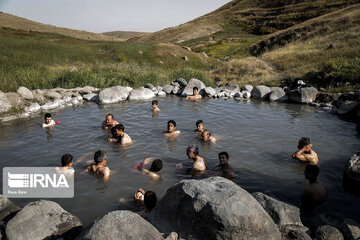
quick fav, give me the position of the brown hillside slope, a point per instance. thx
(14, 22)
(124, 35)
(253, 16)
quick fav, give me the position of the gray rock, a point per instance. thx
(282, 213)
(347, 106)
(278, 94)
(231, 88)
(248, 88)
(175, 84)
(223, 95)
(348, 227)
(168, 88)
(303, 95)
(38, 95)
(52, 94)
(177, 90)
(74, 101)
(238, 95)
(188, 90)
(50, 105)
(291, 232)
(158, 88)
(67, 99)
(210, 92)
(327, 232)
(261, 92)
(43, 219)
(113, 94)
(212, 208)
(246, 94)
(34, 107)
(86, 90)
(25, 93)
(122, 225)
(172, 236)
(92, 97)
(13, 98)
(352, 168)
(7, 207)
(182, 82)
(161, 93)
(149, 85)
(141, 94)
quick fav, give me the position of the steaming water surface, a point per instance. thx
(259, 136)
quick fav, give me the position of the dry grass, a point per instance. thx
(14, 22)
(124, 35)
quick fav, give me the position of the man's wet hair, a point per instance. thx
(173, 122)
(195, 88)
(66, 159)
(47, 115)
(119, 127)
(99, 156)
(112, 116)
(199, 122)
(150, 200)
(206, 131)
(224, 153)
(156, 165)
(303, 142)
(313, 171)
(154, 102)
(193, 148)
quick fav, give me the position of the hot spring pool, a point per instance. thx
(259, 136)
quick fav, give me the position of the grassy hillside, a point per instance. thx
(258, 17)
(47, 60)
(324, 51)
(11, 21)
(124, 35)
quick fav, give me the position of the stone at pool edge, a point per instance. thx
(7, 208)
(199, 207)
(352, 171)
(4, 103)
(25, 93)
(260, 92)
(43, 219)
(303, 95)
(278, 94)
(113, 94)
(141, 94)
(122, 224)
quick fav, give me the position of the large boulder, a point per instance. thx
(327, 232)
(122, 225)
(352, 173)
(188, 90)
(141, 94)
(230, 88)
(38, 95)
(248, 88)
(346, 107)
(4, 103)
(303, 95)
(168, 88)
(34, 107)
(13, 98)
(113, 94)
(260, 92)
(43, 220)
(282, 213)
(278, 94)
(182, 82)
(53, 95)
(25, 93)
(212, 208)
(91, 97)
(348, 227)
(7, 208)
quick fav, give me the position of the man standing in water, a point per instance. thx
(206, 136)
(109, 122)
(99, 168)
(193, 153)
(171, 129)
(305, 152)
(313, 194)
(226, 170)
(195, 96)
(119, 135)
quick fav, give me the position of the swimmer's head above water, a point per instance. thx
(192, 151)
(171, 126)
(304, 141)
(118, 131)
(100, 157)
(47, 118)
(195, 91)
(67, 160)
(109, 119)
(199, 125)
(205, 135)
(156, 165)
(223, 158)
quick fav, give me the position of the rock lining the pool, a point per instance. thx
(211, 208)
(25, 103)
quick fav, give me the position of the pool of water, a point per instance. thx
(259, 136)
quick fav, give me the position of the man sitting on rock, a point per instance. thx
(171, 129)
(195, 96)
(119, 135)
(226, 169)
(206, 136)
(150, 170)
(109, 122)
(193, 153)
(49, 122)
(315, 193)
(305, 152)
(66, 163)
(99, 168)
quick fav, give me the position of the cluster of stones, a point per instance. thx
(212, 208)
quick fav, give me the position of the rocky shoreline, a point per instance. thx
(212, 208)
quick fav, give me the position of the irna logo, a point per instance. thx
(37, 180)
